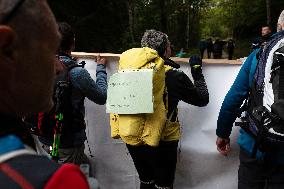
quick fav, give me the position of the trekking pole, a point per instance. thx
(56, 140)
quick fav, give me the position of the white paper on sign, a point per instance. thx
(130, 92)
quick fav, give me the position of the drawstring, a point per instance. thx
(88, 144)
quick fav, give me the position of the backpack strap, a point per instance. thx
(16, 153)
(254, 64)
(281, 82)
(71, 66)
(65, 79)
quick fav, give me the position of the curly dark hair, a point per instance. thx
(67, 34)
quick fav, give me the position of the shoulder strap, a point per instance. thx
(172, 115)
(280, 61)
(72, 66)
(16, 153)
(254, 64)
(281, 83)
(64, 78)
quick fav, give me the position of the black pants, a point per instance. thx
(259, 174)
(202, 53)
(230, 54)
(209, 53)
(155, 165)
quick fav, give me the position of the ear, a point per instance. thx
(282, 26)
(7, 45)
(7, 54)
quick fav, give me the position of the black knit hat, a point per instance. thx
(155, 40)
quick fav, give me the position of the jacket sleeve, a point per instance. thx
(96, 91)
(233, 100)
(183, 89)
(67, 176)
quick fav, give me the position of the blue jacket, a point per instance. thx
(83, 86)
(238, 92)
(10, 143)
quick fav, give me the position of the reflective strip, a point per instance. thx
(16, 153)
(159, 187)
(148, 183)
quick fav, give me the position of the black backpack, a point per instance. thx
(61, 118)
(25, 170)
(265, 125)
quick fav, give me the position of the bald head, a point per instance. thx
(280, 23)
(28, 42)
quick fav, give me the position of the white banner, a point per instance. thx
(199, 164)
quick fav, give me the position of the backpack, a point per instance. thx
(142, 128)
(61, 119)
(264, 107)
(23, 169)
(14, 172)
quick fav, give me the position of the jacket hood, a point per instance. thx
(137, 57)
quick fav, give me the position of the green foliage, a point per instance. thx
(114, 26)
(99, 25)
(237, 18)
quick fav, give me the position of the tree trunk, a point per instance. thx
(163, 16)
(268, 11)
(130, 5)
(187, 25)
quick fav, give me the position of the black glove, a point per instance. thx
(196, 67)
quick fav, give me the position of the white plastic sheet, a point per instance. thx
(199, 164)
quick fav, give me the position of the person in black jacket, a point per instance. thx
(181, 88)
(209, 47)
(218, 49)
(266, 33)
(230, 48)
(156, 165)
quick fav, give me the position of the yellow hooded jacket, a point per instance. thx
(139, 129)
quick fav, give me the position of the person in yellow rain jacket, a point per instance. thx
(152, 139)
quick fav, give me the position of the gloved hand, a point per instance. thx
(195, 62)
(196, 67)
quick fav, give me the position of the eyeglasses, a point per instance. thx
(12, 12)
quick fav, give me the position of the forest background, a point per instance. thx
(114, 26)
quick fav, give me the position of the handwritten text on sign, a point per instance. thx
(130, 92)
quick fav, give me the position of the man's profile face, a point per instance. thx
(45, 56)
(265, 31)
(36, 67)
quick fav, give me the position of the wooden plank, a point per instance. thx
(210, 61)
(176, 59)
(93, 55)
